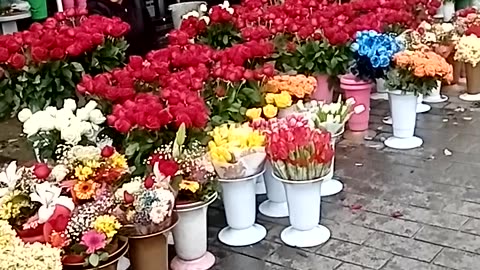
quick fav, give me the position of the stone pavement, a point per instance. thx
(400, 210)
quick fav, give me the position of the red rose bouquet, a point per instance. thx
(42, 65)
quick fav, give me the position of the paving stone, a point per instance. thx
(338, 213)
(260, 250)
(464, 208)
(234, 261)
(449, 238)
(401, 263)
(387, 224)
(472, 226)
(301, 260)
(353, 253)
(347, 266)
(402, 246)
(458, 260)
(348, 232)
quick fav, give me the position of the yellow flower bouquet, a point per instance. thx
(236, 151)
(468, 50)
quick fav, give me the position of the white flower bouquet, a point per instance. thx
(69, 126)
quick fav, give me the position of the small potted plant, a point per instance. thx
(238, 156)
(414, 73)
(301, 157)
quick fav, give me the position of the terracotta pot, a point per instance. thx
(473, 78)
(150, 252)
(110, 264)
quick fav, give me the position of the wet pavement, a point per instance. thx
(400, 210)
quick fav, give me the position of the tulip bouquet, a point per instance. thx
(15, 254)
(297, 151)
(69, 125)
(373, 54)
(42, 65)
(418, 72)
(236, 151)
(68, 206)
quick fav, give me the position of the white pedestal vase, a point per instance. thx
(330, 185)
(260, 185)
(381, 93)
(192, 228)
(403, 107)
(276, 204)
(422, 108)
(303, 198)
(435, 96)
(239, 201)
(448, 10)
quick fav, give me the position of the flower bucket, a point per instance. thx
(150, 252)
(403, 109)
(303, 198)
(331, 186)
(435, 96)
(260, 186)
(322, 92)
(360, 91)
(276, 203)
(448, 10)
(457, 67)
(192, 228)
(422, 108)
(180, 9)
(381, 92)
(239, 201)
(111, 264)
(473, 83)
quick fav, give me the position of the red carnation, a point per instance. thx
(41, 171)
(17, 61)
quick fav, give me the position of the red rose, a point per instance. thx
(59, 16)
(74, 50)
(17, 61)
(149, 182)
(12, 45)
(118, 30)
(97, 38)
(107, 151)
(168, 167)
(153, 122)
(57, 54)
(39, 54)
(4, 55)
(41, 171)
(70, 12)
(136, 62)
(122, 126)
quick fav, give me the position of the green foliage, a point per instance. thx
(106, 57)
(221, 36)
(405, 81)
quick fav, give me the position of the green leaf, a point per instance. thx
(94, 260)
(103, 256)
(225, 40)
(309, 65)
(131, 149)
(77, 67)
(67, 73)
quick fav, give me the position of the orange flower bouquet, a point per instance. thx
(418, 72)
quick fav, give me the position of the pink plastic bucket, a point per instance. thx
(322, 92)
(360, 91)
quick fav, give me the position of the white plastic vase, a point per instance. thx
(448, 10)
(381, 93)
(239, 201)
(422, 108)
(331, 186)
(192, 228)
(303, 198)
(180, 9)
(435, 95)
(276, 203)
(260, 185)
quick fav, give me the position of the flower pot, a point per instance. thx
(180, 9)
(381, 93)
(192, 228)
(422, 108)
(448, 11)
(322, 92)
(239, 201)
(473, 83)
(150, 252)
(331, 186)
(457, 67)
(260, 186)
(360, 91)
(303, 198)
(112, 263)
(403, 109)
(435, 96)
(276, 203)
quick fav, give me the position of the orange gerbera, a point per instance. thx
(85, 190)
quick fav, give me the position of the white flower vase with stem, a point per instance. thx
(448, 10)
(435, 96)
(276, 204)
(239, 201)
(304, 205)
(260, 185)
(421, 108)
(192, 228)
(403, 107)
(332, 186)
(381, 93)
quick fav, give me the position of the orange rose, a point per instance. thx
(402, 60)
(419, 71)
(429, 71)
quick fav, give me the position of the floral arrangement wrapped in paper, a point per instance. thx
(373, 53)
(418, 72)
(296, 150)
(66, 126)
(15, 254)
(237, 151)
(68, 206)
